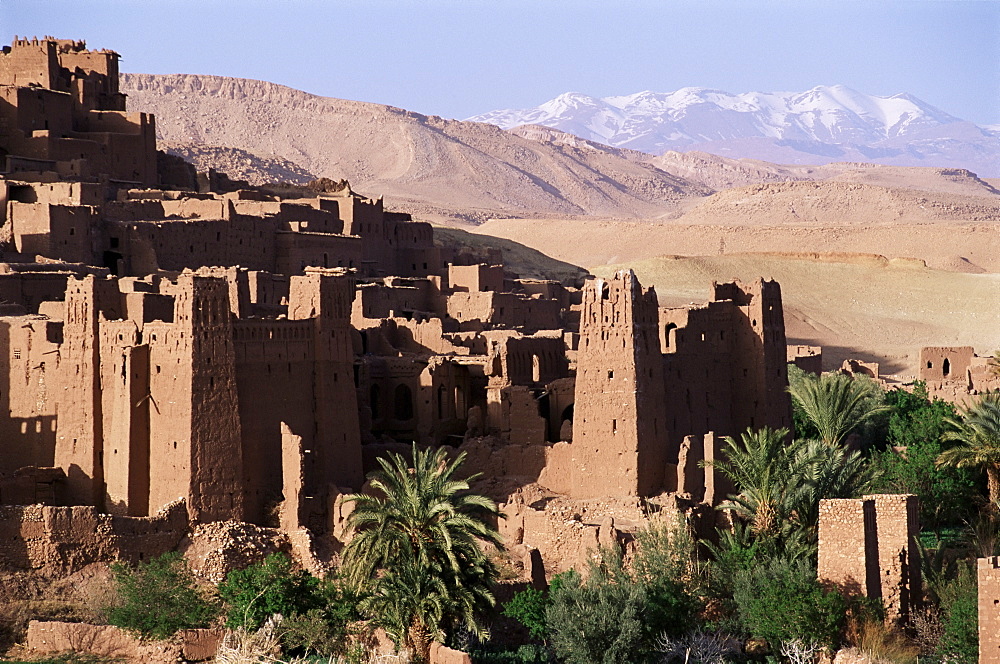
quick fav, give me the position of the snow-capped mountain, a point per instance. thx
(827, 123)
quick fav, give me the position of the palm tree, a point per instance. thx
(977, 432)
(827, 471)
(781, 482)
(760, 466)
(416, 548)
(836, 403)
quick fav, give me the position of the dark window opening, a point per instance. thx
(403, 403)
(373, 398)
(112, 261)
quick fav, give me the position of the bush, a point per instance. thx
(599, 621)
(317, 614)
(529, 654)
(257, 592)
(528, 607)
(947, 494)
(782, 601)
(664, 566)
(159, 598)
(959, 642)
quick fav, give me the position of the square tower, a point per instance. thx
(619, 436)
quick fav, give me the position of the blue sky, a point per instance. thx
(456, 58)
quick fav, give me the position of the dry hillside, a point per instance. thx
(841, 201)
(956, 246)
(864, 307)
(720, 173)
(240, 164)
(422, 162)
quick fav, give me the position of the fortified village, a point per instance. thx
(186, 362)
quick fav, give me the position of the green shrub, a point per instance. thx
(257, 592)
(959, 642)
(947, 494)
(598, 621)
(782, 601)
(317, 613)
(159, 598)
(528, 607)
(664, 566)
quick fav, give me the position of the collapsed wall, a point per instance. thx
(58, 541)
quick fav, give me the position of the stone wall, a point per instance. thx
(867, 546)
(989, 610)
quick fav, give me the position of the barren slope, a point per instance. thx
(959, 246)
(475, 170)
(720, 173)
(856, 306)
(240, 164)
(842, 201)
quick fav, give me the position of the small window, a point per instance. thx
(114, 243)
(17, 353)
(611, 374)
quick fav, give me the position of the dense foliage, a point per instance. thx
(259, 591)
(976, 434)
(781, 601)
(317, 614)
(158, 598)
(619, 611)
(835, 404)
(960, 618)
(780, 482)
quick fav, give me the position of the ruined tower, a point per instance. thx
(326, 297)
(758, 360)
(868, 546)
(195, 448)
(80, 438)
(619, 438)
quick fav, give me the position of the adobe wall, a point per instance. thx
(807, 358)
(848, 546)
(30, 289)
(52, 637)
(725, 364)
(29, 389)
(295, 251)
(60, 232)
(475, 278)
(969, 375)
(944, 362)
(63, 105)
(377, 301)
(63, 540)
(868, 546)
(509, 310)
(324, 298)
(989, 610)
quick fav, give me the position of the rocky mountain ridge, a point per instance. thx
(822, 125)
